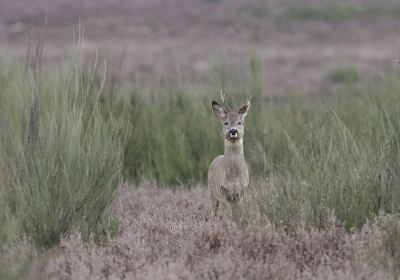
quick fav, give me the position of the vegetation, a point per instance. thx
(344, 74)
(336, 11)
(324, 170)
(60, 162)
(176, 237)
(310, 157)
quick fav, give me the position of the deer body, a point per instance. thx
(228, 176)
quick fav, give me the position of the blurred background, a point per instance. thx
(305, 45)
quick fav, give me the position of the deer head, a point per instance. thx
(232, 121)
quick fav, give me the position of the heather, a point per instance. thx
(172, 235)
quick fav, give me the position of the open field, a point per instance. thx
(298, 41)
(103, 166)
(323, 203)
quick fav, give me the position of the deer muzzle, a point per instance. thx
(233, 133)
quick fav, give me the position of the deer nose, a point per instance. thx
(233, 133)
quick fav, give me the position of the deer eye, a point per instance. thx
(226, 123)
(240, 123)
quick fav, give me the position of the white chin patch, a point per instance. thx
(233, 135)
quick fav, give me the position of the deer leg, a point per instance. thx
(216, 207)
(215, 204)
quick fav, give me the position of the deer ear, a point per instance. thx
(219, 111)
(245, 108)
(243, 111)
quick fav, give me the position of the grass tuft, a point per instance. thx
(61, 163)
(346, 74)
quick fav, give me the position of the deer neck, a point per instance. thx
(234, 156)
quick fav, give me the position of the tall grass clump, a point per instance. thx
(309, 157)
(171, 138)
(175, 134)
(61, 163)
(348, 164)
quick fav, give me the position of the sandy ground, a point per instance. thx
(190, 33)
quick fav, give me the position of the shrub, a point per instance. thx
(61, 163)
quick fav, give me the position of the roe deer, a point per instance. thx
(228, 176)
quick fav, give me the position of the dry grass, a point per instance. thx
(169, 235)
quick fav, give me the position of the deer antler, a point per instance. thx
(226, 103)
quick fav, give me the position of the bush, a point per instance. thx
(61, 163)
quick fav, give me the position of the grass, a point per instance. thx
(343, 74)
(60, 161)
(327, 11)
(324, 172)
(320, 35)
(335, 12)
(175, 134)
(308, 158)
